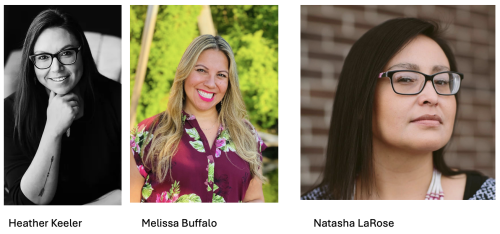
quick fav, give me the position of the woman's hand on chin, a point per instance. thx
(61, 112)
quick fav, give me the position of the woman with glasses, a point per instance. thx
(394, 112)
(62, 125)
(202, 148)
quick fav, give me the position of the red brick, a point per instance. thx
(327, 34)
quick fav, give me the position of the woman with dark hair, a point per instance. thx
(394, 112)
(62, 125)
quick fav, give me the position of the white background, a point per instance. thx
(290, 214)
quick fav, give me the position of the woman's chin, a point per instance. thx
(58, 90)
(426, 146)
(426, 141)
(205, 106)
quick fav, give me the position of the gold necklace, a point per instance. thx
(206, 129)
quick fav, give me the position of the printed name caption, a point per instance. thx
(176, 223)
(44, 223)
(350, 223)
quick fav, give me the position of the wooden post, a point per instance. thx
(142, 65)
(205, 21)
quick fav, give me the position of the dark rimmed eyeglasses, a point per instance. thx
(408, 82)
(65, 57)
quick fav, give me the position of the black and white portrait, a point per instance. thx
(62, 105)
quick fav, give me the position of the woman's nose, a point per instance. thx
(428, 95)
(56, 65)
(210, 81)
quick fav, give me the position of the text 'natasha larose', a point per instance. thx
(347, 223)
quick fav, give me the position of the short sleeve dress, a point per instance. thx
(198, 173)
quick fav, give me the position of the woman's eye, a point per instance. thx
(222, 75)
(200, 70)
(405, 80)
(66, 53)
(441, 82)
(42, 57)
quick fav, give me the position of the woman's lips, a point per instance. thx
(205, 95)
(58, 78)
(428, 120)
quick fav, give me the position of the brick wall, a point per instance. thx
(327, 34)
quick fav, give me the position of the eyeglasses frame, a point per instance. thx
(31, 57)
(389, 74)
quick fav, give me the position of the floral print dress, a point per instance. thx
(199, 173)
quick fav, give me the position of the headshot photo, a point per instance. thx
(62, 105)
(204, 104)
(397, 103)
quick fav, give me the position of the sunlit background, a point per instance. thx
(252, 32)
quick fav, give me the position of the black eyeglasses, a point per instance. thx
(65, 57)
(407, 82)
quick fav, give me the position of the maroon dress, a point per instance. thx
(199, 174)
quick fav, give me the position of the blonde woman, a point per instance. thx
(202, 148)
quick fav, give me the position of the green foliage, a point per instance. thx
(176, 27)
(270, 189)
(246, 19)
(259, 79)
(252, 32)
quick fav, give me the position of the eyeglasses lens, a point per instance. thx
(407, 82)
(411, 82)
(65, 57)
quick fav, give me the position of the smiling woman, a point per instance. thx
(174, 154)
(52, 44)
(203, 92)
(59, 85)
(394, 112)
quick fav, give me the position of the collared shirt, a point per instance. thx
(198, 173)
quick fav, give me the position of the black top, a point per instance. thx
(90, 159)
(477, 187)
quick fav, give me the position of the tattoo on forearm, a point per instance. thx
(48, 173)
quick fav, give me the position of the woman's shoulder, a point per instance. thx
(107, 82)
(251, 128)
(486, 191)
(248, 124)
(107, 88)
(140, 137)
(9, 114)
(321, 192)
(258, 139)
(9, 103)
(10, 98)
(479, 187)
(148, 124)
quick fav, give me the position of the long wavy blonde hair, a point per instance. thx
(232, 114)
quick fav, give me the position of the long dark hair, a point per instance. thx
(29, 109)
(349, 153)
